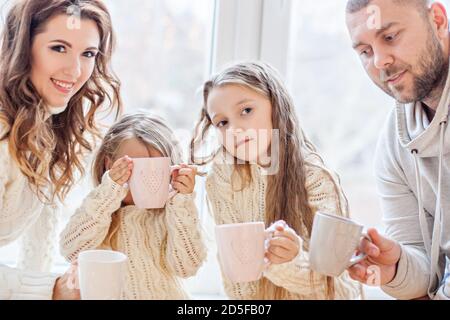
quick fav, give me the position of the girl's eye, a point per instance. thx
(90, 54)
(246, 111)
(221, 124)
(59, 48)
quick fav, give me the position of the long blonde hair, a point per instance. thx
(49, 150)
(295, 149)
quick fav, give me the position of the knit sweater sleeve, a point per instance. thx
(90, 224)
(221, 206)
(186, 250)
(14, 218)
(16, 284)
(296, 275)
(38, 243)
(32, 280)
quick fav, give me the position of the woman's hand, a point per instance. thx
(66, 286)
(183, 179)
(284, 245)
(120, 171)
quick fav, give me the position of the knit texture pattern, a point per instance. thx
(24, 217)
(162, 246)
(230, 206)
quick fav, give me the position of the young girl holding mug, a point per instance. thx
(246, 104)
(162, 245)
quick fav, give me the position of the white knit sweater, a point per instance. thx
(23, 215)
(230, 206)
(162, 246)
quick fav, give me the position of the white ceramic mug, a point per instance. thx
(150, 182)
(101, 274)
(241, 250)
(334, 240)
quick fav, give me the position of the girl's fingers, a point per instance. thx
(191, 166)
(123, 174)
(285, 243)
(273, 258)
(122, 162)
(187, 173)
(122, 180)
(122, 177)
(120, 170)
(179, 186)
(184, 180)
(281, 252)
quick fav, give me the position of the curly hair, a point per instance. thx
(49, 150)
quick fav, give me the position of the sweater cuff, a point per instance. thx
(181, 200)
(115, 190)
(400, 276)
(36, 287)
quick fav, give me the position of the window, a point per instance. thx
(163, 55)
(338, 106)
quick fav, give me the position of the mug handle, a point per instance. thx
(172, 191)
(360, 257)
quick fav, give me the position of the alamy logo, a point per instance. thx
(74, 17)
(374, 20)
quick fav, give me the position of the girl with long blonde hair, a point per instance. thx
(265, 169)
(55, 75)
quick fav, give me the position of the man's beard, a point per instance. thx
(433, 70)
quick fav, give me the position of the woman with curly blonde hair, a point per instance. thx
(55, 61)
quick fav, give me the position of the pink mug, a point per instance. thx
(241, 248)
(150, 182)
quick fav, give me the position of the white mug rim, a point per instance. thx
(338, 218)
(116, 256)
(232, 225)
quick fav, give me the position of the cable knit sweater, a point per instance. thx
(247, 205)
(24, 216)
(162, 246)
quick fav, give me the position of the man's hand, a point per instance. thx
(383, 253)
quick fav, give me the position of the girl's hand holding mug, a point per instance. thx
(284, 244)
(183, 179)
(120, 171)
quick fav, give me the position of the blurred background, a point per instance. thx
(167, 48)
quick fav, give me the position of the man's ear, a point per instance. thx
(440, 19)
